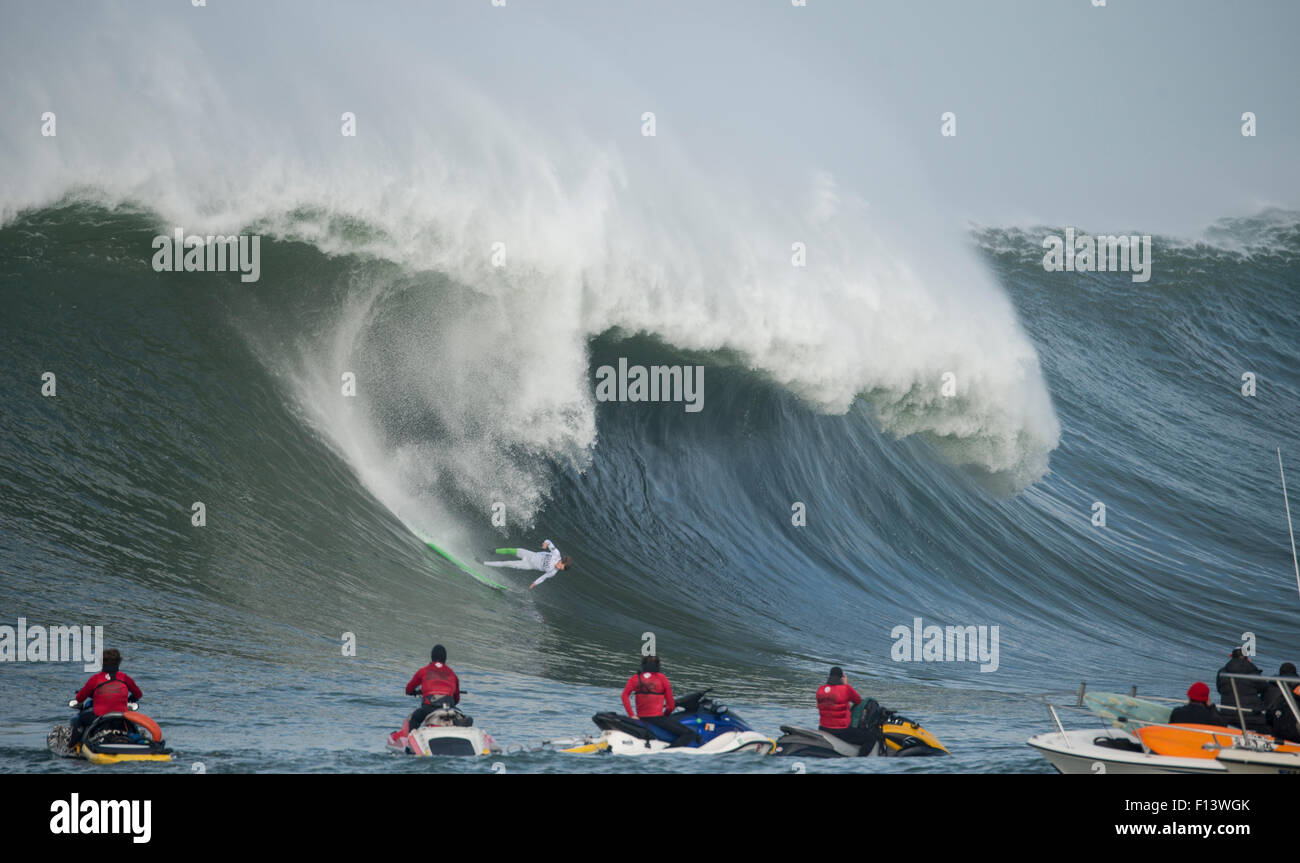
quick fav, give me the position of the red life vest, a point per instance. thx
(835, 704)
(654, 694)
(438, 680)
(110, 694)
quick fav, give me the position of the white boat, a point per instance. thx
(1186, 748)
(1140, 746)
(1078, 751)
(1249, 761)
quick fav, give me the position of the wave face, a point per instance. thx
(475, 387)
(207, 389)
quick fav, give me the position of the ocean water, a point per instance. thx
(221, 392)
(475, 393)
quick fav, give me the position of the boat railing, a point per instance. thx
(1056, 717)
(1065, 738)
(1133, 693)
(1051, 708)
(1247, 740)
(1288, 697)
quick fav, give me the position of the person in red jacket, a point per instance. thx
(654, 701)
(437, 683)
(105, 692)
(835, 701)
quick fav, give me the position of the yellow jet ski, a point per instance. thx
(896, 736)
(112, 739)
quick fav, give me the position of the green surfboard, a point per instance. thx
(466, 569)
(1122, 708)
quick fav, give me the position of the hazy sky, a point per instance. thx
(1121, 117)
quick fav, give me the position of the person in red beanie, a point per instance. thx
(1197, 710)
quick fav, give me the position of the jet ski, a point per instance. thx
(445, 731)
(895, 736)
(112, 738)
(719, 731)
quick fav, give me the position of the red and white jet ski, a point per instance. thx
(445, 731)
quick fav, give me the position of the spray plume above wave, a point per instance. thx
(475, 371)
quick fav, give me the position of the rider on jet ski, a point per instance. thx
(438, 684)
(835, 700)
(654, 701)
(109, 692)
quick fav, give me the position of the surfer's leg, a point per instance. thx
(509, 551)
(527, 559)
(511, 564)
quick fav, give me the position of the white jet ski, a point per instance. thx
(718, 730)
(446, 731)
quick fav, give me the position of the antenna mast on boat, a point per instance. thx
(1289, 529)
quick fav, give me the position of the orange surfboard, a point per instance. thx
(1189, 741)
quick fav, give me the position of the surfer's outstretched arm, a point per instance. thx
(548, 574)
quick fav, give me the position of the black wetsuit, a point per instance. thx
(1280, 719)
(864, 738)
(1285, 726)
(685, 736)
(1251, 692)
(80, 723)
(1273, 699)
(1195, 713)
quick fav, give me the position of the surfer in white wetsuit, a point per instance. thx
(548, 560)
